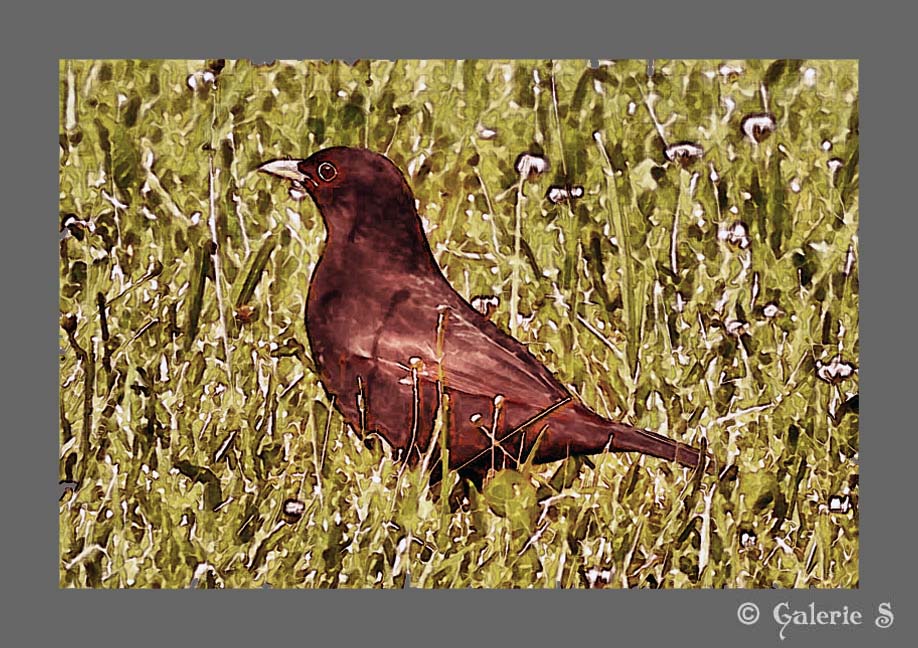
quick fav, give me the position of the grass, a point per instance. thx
(190, 412)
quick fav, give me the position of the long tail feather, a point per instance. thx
(628, 439)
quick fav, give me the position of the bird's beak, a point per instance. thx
(283, 169)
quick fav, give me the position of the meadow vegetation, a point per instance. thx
(708, 292)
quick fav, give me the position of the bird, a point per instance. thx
(391, 338)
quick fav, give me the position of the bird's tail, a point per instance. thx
(629, 439)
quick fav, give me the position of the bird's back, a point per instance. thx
(392, 339)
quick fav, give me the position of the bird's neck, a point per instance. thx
(374, 235)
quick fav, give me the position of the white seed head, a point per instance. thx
(485, 304)
(771, 310)
(294, 508)
(835, 371)
(735, 234)
(730, 72)
(684, 153)
(529, 165)
(839, 504)
(558, 194)
(736, 327)
(809, 76)
(759, 126)
(485, 133)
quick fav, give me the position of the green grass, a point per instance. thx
(186, 427)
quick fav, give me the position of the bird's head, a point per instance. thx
(342, 179)
(361, 195)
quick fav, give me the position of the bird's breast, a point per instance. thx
(349, 309)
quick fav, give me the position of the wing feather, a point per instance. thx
(477, 357)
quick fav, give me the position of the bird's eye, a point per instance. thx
(327, 171)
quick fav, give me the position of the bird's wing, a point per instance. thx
(474, 355)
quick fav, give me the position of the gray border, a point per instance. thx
(480, 29)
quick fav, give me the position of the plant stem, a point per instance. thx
(515, 261)
(631, 320)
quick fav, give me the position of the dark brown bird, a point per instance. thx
(385, 326)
